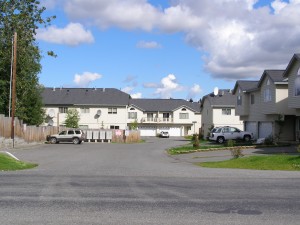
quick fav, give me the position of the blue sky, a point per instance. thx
(162, 49)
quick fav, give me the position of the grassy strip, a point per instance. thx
(209, 147)
(9, 164)
(273, 162)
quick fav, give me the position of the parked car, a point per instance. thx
(164, 134)
(222, 134)
(76, 136)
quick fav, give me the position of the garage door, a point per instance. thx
(252, 127)
(175, 131)
(265, 129)
(147, 131)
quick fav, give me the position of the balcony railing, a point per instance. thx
(157, 120)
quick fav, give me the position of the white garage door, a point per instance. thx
(175, 131)
(265, 129)
(147, 131)
(252, 127)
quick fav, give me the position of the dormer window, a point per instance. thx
(297, 84)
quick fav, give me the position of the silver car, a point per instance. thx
(222, 134)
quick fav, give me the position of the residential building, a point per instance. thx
(263, 106)
(98, 107)
(292, 74)
(109, 108)
(218, 109)
(178, 117)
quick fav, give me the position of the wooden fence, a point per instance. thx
(28, 133)
(39, 134)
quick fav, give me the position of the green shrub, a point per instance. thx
(269, 140)
(196, 142)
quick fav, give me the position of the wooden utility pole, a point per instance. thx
(13, 100)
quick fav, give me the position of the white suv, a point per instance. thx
(71, 135)
(221, 134)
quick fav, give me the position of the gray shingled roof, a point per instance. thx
(275, 76)
(164, 105)
(224, 98)
(296, 57)
(84, 96)
(246, 85)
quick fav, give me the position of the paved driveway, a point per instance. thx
(141, 184)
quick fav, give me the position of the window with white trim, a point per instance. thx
(63, 109)
(85, 110)
(183, 116)
(226, 112)
(112, 110)
(132, 115)
(267, 95)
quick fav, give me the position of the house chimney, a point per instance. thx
(103, 89)
(53, 89)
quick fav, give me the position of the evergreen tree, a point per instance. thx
(23, 17)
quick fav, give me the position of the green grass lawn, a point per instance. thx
(271, 162)
(7, 164)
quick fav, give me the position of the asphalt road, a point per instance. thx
(140, 184)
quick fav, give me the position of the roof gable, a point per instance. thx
(274, 75)
(245, 85)
(296, 57)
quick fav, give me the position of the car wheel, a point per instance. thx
(53, 140)
(220, 140)
(76, 141)
(247, 138)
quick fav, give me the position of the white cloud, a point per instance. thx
(194, 91)
(238, 38)
(73, 34)
(149, 44)
(136, 95)
(127, 89)
(168, 86)
(83, 80)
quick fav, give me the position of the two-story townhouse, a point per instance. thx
(264, 109)
(98, 107)
(177, 116)
(292, 74)
(219, 110)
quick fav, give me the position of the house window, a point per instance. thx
(166, 117)
(252, 99)
(184, 109)
(132, 115)
(85, 110)
(297, 84)
(183, 116)
(239, 100)
(112, 110)
(150, 117)
(226, 111)
(63, 109)
(112, 127)
(267, 95)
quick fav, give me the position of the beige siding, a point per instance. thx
(282, 101)
(226, 120)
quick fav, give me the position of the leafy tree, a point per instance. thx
(134, 125)
(72, 118)
(23, 17)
